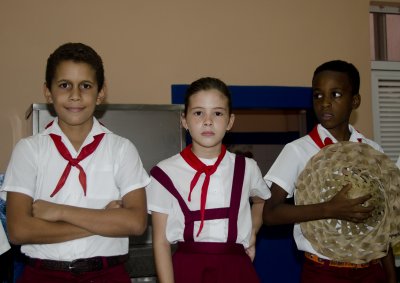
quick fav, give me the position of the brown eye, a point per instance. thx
(64, 85)
(86, 86)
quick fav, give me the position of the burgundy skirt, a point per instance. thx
(212, 263)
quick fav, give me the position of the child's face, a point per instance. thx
(74, 94)
(207, 120)
(333, 100)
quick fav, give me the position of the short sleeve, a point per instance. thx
(258, 186)
(286, 169)
(158, 198)
(130, 173)
(21, 172)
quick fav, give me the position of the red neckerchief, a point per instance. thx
(188, 155)
(85, 152)
(317, 139)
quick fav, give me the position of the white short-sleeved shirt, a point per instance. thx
(291, 162)
(398, 162)
(112, 170)
(4, 244)
(219, 194)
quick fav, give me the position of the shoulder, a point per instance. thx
(302, 147)
(173, 161)
(31, 143)
(118, 142)
(359, 136)
(374, 144)
(231, 159)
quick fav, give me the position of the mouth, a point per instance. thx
(74, 109)
(326, 116)
(207, 134)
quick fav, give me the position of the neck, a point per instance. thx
(206, 152)
(341, 134)
(76, 134)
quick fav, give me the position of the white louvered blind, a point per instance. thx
(386, 110)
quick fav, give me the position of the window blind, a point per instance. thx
(386, 110)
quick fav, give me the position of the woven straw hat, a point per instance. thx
(369, 172)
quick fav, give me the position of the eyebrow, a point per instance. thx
(213, 108)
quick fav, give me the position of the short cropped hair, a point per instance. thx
(208, 83)
(343, 67)
(79, 53)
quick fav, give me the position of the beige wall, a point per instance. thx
(149, 45)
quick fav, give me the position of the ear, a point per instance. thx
(47, 93)
(101, 95)
(184, 122)
(356, 101)
(230, 123)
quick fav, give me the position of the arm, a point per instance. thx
(130, 219)
(276, 211)
(162, 248)
(256, 217)
(389, 266)
(23, 228)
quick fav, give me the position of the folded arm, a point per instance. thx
(118, 221)
(24, 228)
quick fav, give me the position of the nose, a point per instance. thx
(207, 120)
(75, 94)
(326, 100)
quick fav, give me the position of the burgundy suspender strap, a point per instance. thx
(212, 213)
(237, 186)
(164, 180)
(190, 216)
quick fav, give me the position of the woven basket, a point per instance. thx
(369, 172)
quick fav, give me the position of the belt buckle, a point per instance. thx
(78, 266)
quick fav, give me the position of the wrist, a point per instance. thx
(326, 211)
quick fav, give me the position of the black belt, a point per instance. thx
(80, 265)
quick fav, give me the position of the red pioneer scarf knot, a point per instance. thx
(85, 152)
(188, 155)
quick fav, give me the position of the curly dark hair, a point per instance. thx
(76, 52)
(342, 67)
(208, 83)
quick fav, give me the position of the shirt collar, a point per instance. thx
(54, 128)
(355, 136)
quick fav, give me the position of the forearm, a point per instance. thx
(23, 228)
(163, 262)
(256, 214)
(289, 213)
(162, 249)
(277, 211)
(36, 231)
(118, 222)
(128, 219)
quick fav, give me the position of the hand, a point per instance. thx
(46, 210)
(114, 204)
(251, 250)
(353, 210)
